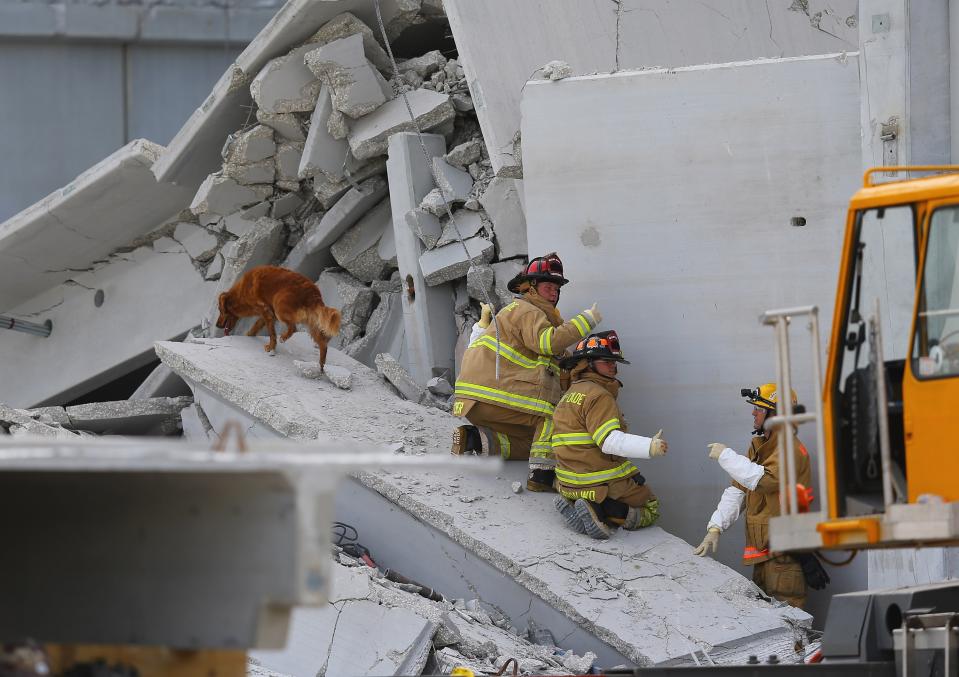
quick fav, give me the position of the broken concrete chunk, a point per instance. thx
(222, 195)
(342, 215)
(20, 423)
(434, 203)
(287, 125)
(328, 192)
(285, 84)
(439, 386)
(384, 331)
(555, 70)
(50, 415)
(256, 172)
(479, 282)
(321, 152)
(353, 298)
(288, 162)
(196, 428)
(425, 226)
(394, 284)
(358, 250)
(356, 87)
(466, 222)
(153, 416)
(463, 103)
(241, 221)
(390, 369)
(199, 243)
(465, 154)
(284, 205)
(346, 24)
(337, 125)
(455, 183)
(501, 200)
(339, 376)
(424, 66)
(517, 487)
(370, 134)
(461, 297)
(215, 268)
(251, 146)
(448, 263)
(504, 272)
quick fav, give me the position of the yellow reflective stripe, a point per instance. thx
(570, 439)
(604, 430)
(472, 390)
(513, 355)
(541, 450)
(503, 445)
(582, 324)
(546, 342)
(580, 478)
(547, 432)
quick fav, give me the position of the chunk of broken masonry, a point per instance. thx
(370, 134)
(346, 24)
(339, 376)
(356, 87)
(346, 212)
(222, 195)
(479, 282)
(393, 371)
(439, 386)
(455, 183)
(328, 192)
(448, 263)
(464, 225)
(200, 244)
(465, 154)
(425, 65)
(433, 203)
(285, 84)
(241, 221)
(152, 416)
(353, 298)
(366, 250)
(251, 146)
(321, 152)
(504, 272)
(263, 171)
(425, 226)
(501, 201)
(287, 125)
(288, 162)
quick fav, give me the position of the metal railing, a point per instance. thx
(7, 322)
(785, 414)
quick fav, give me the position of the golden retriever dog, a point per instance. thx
(271, 293)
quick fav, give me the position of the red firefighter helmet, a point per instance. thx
(548, 268)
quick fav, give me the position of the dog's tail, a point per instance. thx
(323, 321)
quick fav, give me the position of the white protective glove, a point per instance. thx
(737, 466)
(710, 543)
(486, 315)
(594, 315)
(658, 446)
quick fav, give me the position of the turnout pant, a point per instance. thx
(511, 434)
(616, 497)
(782, 578)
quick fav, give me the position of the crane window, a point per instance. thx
(936, 346)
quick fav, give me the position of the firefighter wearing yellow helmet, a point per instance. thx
(755, 486)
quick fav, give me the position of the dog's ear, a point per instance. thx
(222, 302)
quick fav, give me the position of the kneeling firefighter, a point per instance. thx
(756, 486)
(598, 484)
(511, 411)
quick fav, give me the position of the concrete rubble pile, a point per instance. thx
(303, 186)
(155, 416)
(419, 632)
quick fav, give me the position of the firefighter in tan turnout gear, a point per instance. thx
(511, 411)
(598, 483)
(755, 487)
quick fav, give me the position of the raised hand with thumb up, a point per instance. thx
(658, 446)
(594, 315)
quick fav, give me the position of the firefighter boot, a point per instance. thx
(541, 479)
(590, 516)
(642, 516)
(466, 439)
(566, 508)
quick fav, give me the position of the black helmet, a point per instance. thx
(548, 268)
(601, 346)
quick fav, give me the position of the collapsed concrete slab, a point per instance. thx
(285, 84)
(199, 243)
(369, 135)
(347, 24)
(451, 262)
(502, 204)
(250, 146)
(194, 151)
(366, 249)
(355, 86)
(104, 208)
(426, 226)
(455, 183)
(328, 191)
(152, 416)
(195, 425)
(287, 125)
(427, 311)
(161, 382)
(399, 378)
(321, 152)
(499, 52)
(221, 195)
(467, 225)
(641, 598)
(18, 422)
(240, 222)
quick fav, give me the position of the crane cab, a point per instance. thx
(890, 405)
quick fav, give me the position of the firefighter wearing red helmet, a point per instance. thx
(509, 383)
(755, 488)
(597, 479)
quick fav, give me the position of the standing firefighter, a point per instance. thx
(756, 484)
(598, 484)
(511, 411)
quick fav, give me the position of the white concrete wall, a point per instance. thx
(669, 196)
(602, 36)
(148, 296)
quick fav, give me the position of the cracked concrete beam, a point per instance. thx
(107, 206)
(151, 416)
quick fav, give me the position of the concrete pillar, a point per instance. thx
(427, 311)
(883, 71)
(928, 82)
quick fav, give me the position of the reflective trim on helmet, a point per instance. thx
(580, 478)
(572, 439)
(472, 390)
(602, 431)
(546, 341)
(582, 324)
(514, 356)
